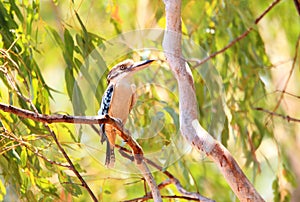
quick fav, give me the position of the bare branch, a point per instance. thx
(286, 117)
(144, 198)
(125, 135)
(288, 93)
(150, 180)
(72, 167)
(243, 35)
(58, 118)
(172, 179)
(290, 75)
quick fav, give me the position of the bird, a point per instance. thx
(118, 100)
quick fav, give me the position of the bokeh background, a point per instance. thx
(50, 51)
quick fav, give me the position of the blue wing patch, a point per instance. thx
(104, 108)
(106, 100)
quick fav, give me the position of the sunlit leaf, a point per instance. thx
(56, 36)
(2, 190)
(69, 47)
(23, 157)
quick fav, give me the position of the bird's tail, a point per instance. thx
(102, 133)
(110, 156)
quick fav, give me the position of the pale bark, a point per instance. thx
(189, 125)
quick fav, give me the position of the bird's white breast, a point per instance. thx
(121, 100)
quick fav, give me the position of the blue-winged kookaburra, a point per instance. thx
(118, 100)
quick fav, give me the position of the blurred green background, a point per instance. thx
(50, 50)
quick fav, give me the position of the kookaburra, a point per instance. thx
(118, 100)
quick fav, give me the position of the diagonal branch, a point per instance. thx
(289, 76)
(172, 179)
(286, 117)
(125, 135)
(243, 35)
(147, 197)
(71, 165)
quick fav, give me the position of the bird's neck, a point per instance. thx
(123, 81)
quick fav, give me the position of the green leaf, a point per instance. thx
(276, 192)
(70, 132)
(56, 36)
(174, 116)
(23, 157)
(46, 186)
(70, 80)
(81, 24)
(256, 139)
(78, 102)
(107, 191)
(2, 190)
(67, 183)
(69, 47)
(225, 133)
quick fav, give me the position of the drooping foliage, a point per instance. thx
(55, 55)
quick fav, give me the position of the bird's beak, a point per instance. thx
(141, 65)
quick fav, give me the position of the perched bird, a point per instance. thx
(118, 100)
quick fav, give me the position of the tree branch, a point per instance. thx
(243, 35)
(35, 115)
(172, 179)
(286, 117)
(189, 125)
(125, 135)
(72, 167)
(147, 197)
(58, 118)
(289, 76)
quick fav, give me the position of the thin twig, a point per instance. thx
(243, 35)
(253, 150)
(288, 93)
(72, 167)
(34, 150)
(144, 198)
(172, 179)
(286, 117)
(289, 76)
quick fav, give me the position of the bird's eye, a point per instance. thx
(122, 67)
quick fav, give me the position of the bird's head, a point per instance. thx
(126, 68)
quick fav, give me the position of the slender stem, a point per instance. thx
(286, 117)
(172, 179)
(289, 76)
(145, 198)
(72, 167)
(243, 35)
